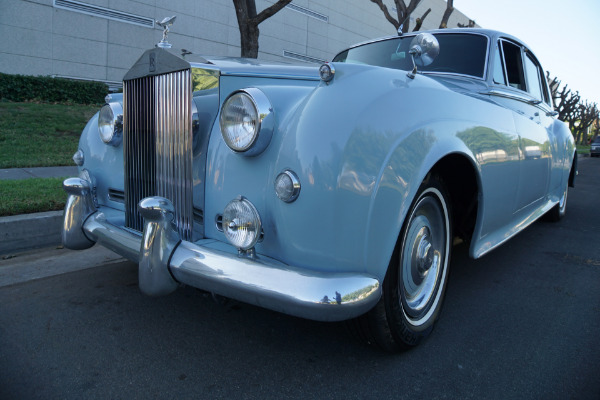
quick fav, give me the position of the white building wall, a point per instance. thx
(41, 37)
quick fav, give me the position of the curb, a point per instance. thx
(19, 233)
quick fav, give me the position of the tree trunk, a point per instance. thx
(248, 21)
(249, 34)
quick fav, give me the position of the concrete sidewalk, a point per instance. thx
(41, 172)
(19, 233)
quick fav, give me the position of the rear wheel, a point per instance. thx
(414, 286)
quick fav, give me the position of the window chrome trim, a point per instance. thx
(500, 92)
(434, 73)
(510, 95)
(525, 51)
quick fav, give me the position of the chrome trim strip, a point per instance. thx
(522, 98)
(271, 75)
(451, 74)
(508, 95)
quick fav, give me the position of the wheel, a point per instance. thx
(557, 212)
(414, 286)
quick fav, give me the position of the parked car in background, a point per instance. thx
(331, 193)
(595, 147)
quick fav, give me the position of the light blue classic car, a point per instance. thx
(331, 193)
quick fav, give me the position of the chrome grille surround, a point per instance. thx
(157, 145)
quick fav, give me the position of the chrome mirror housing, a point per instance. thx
(424, 48)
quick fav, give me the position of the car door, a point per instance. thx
(517, 84)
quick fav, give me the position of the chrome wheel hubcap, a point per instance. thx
(424, 257)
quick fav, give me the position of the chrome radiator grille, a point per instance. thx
(157, 145)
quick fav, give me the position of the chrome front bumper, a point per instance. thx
(165, 261)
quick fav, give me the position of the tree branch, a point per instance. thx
(270, 11)
(386, 12)
(419, 21)
(447, 13)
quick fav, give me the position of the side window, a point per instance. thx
(514, 65)
(533, 78)
(498, 76)
(545, 88)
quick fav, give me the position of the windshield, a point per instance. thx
(460, 53)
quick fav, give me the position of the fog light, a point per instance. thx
(241, 223)
(287, 186)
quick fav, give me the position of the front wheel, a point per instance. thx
(414, 286)
(557, 212)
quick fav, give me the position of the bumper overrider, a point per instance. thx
(165, 261)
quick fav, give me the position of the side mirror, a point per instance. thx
(424, 48)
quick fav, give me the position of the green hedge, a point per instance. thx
(48, 89)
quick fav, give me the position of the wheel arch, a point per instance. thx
(574, 171)
(462, 180)
(462, 183)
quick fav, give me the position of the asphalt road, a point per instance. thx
(523, 322)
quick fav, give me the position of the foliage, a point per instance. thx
(53, 90)
(580, 116)
(40, 135)
(31, 195)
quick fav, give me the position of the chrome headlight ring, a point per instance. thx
(247, 121)
(110, 123)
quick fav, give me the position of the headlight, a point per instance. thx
(241, 223)
(247, 121)
(110, 124)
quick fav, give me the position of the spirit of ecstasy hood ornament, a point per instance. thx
(165, 24)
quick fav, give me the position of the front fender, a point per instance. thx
(360, 162)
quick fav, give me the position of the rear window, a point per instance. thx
(460, 53)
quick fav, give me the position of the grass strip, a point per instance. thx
(26, 196)
(581, 149)
(40, 134)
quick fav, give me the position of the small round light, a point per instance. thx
(241, 223)
(247, 121)
(110, 124)
(326, 72)
(78, 158)
(287, 186)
